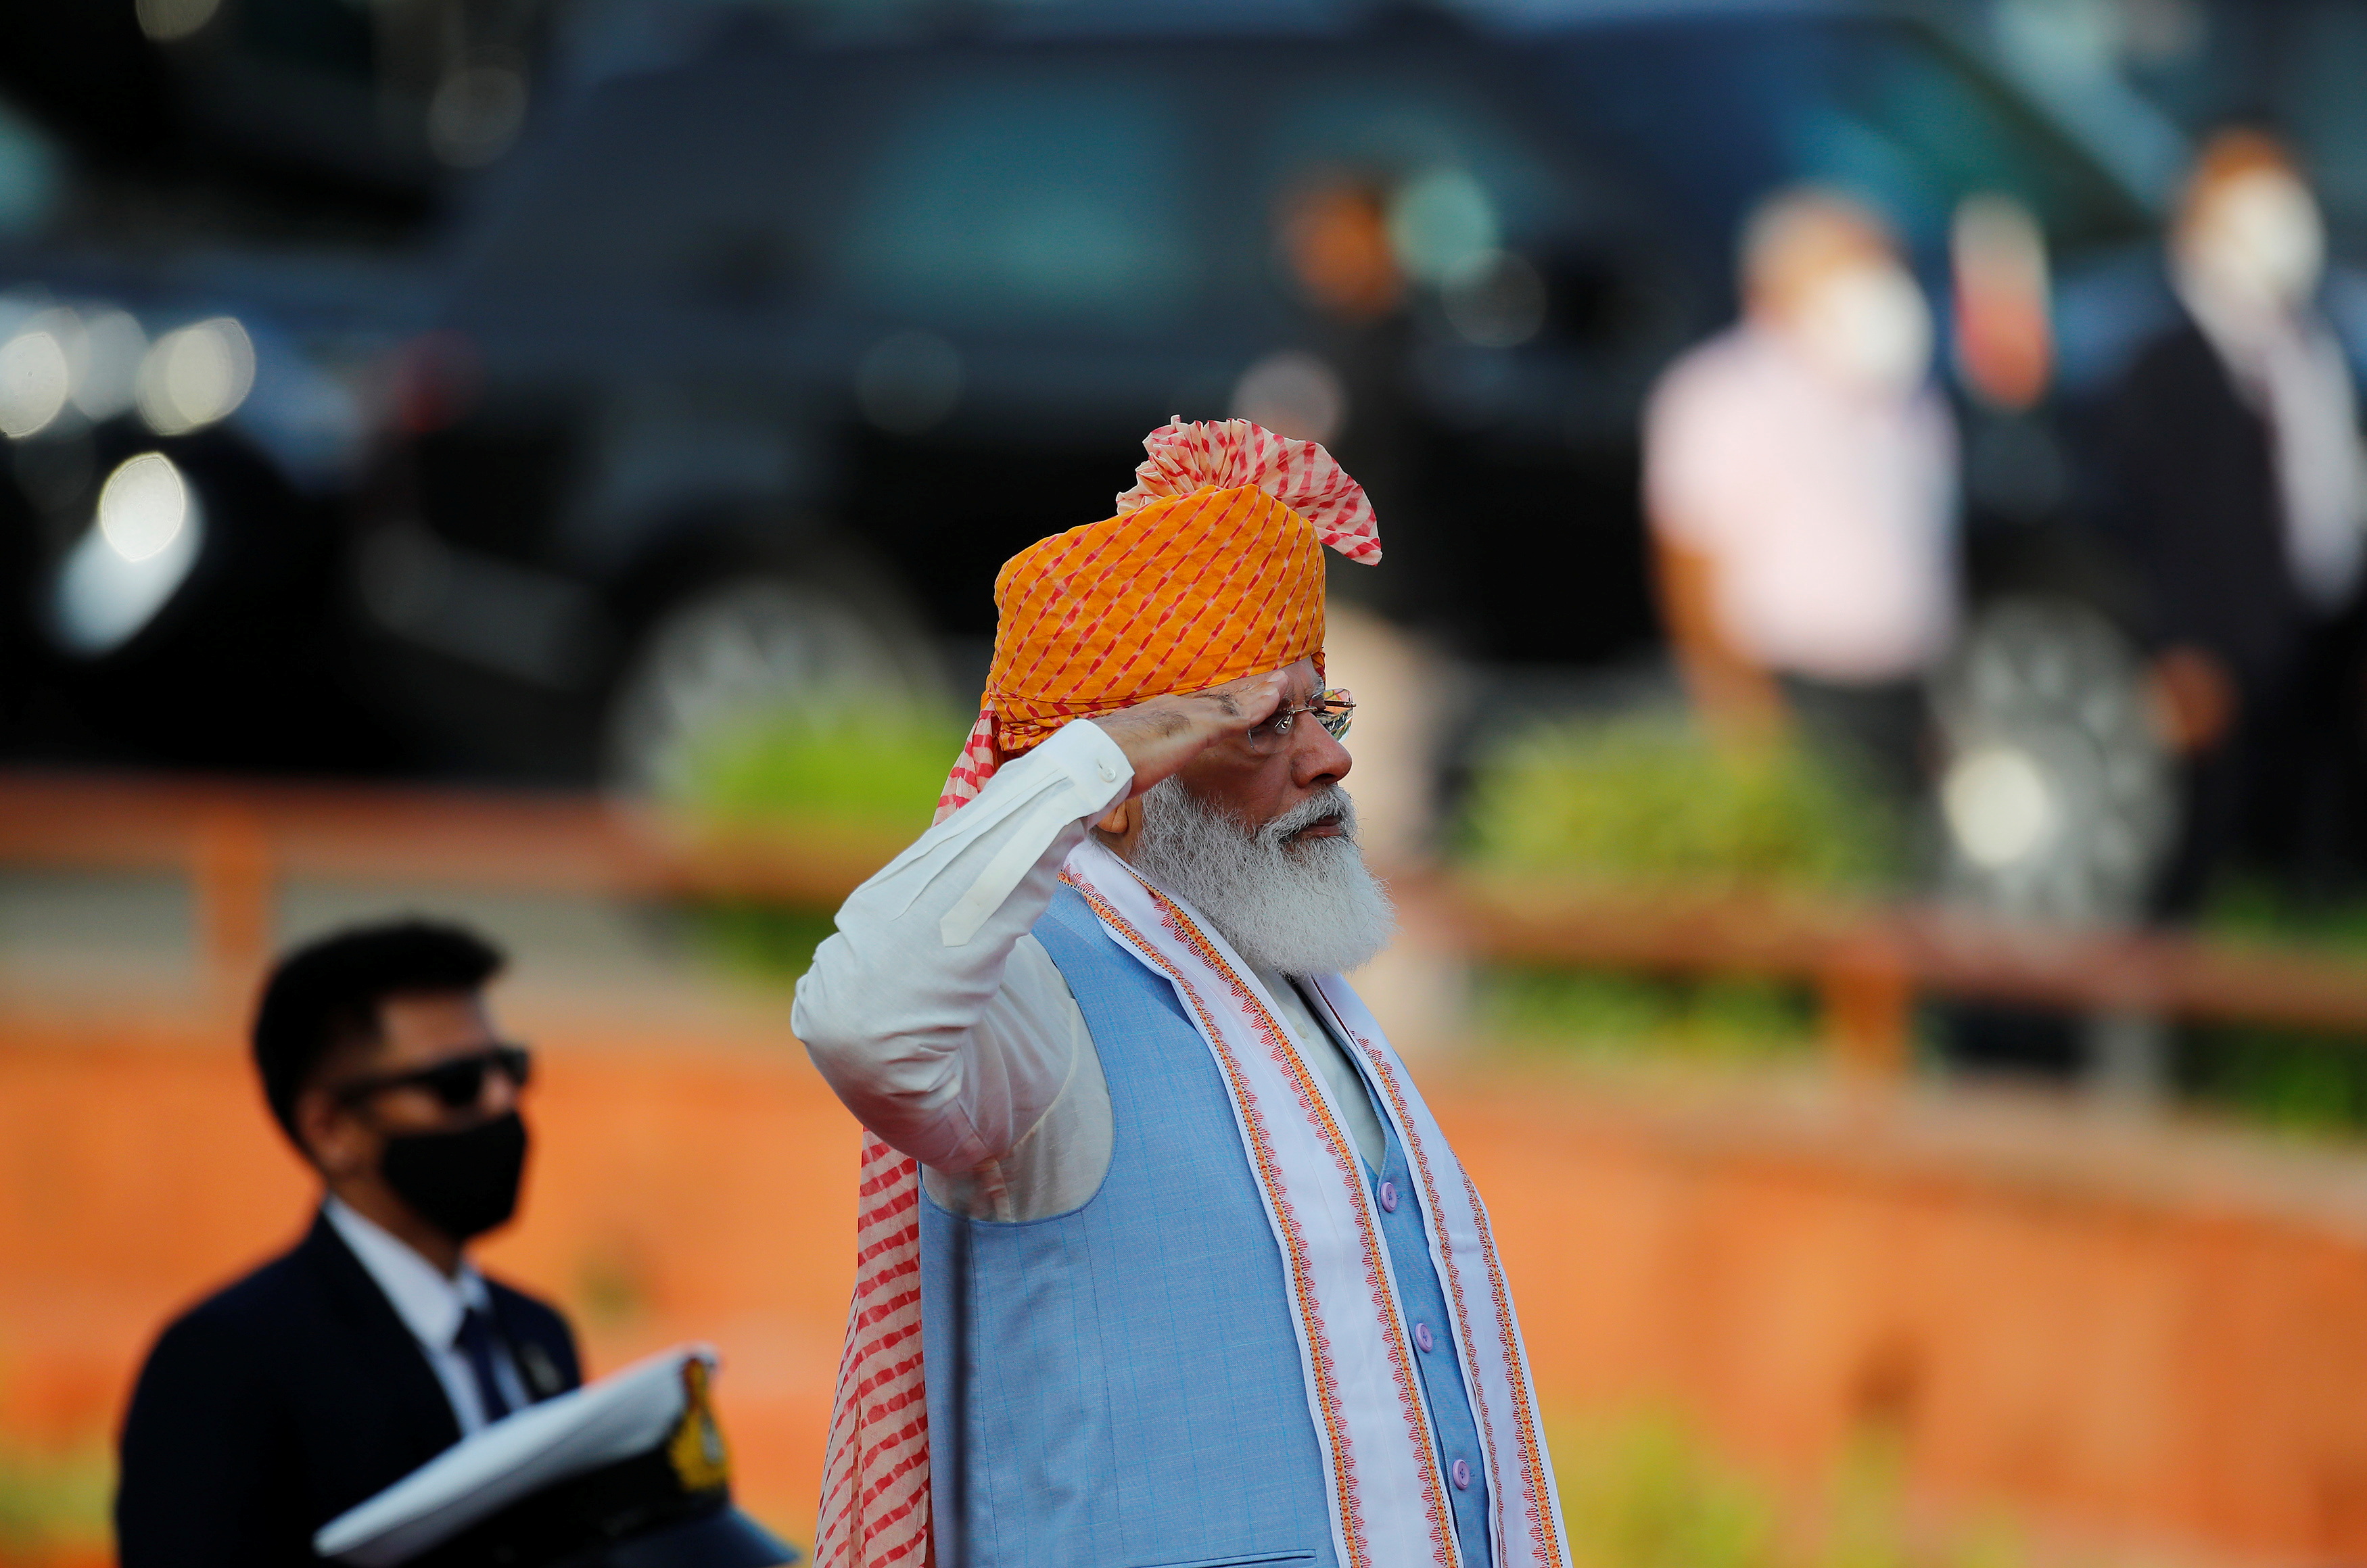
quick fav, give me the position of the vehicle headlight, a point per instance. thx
(35, 376)
(195, 376)
(137, 552)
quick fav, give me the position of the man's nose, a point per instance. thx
(500, 1094)
(1319, 758)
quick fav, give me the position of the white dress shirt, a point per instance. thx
(947, 1028)
(432, 1306)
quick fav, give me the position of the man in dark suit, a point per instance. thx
(2236, 497)
(346, 1363)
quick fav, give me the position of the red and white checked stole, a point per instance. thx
(875, 1476)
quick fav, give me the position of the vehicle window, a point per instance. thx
(1397, 185)
(1724, 111)
(336, 41)
(29, 174)
(712, 159)
(1487, 182)
(1040, 198)
(2325, 108)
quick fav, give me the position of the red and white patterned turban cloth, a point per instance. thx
(1211, 570)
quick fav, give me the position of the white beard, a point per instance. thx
(1307, 908)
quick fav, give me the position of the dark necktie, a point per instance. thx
(477, 1340)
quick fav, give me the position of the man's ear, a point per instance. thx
(327, 1135)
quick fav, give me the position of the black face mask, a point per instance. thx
(463, 1183)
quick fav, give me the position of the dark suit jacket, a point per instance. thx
(2196, 513)
(267, 1410)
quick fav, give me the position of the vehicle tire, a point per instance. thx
(748, 643)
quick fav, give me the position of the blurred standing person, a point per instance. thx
(1350, 393)
(2016, 471)
(374, 1344)
(2236, 499)
(2005, 336)
(1800, 476)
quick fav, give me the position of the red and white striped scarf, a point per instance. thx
(875, 1478)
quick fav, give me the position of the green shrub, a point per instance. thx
(1645, 1494)
(53, 1501)
(760, 940)
(869, 767)
(1610, 1015)
(2253, 908)
(2294, 1080)
(1648, 798)
(1644, 1491)
(875, 770)
(2290, 1079)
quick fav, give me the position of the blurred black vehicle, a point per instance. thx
(182, 454)
(741, 373)
(752, 366)
(215, 226)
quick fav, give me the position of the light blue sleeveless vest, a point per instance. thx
(1119, 1386)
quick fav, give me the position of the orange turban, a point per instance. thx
(1212, 569)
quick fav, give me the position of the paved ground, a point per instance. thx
(74, 941)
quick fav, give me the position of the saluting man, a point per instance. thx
(335, 1370)
(1162, 1259)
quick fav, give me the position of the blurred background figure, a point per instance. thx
(2234, 500)
(2017, 462)
(1801, 479)
(2004, 331)
(339, 1368)
(1334, 239)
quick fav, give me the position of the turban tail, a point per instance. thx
(1212, 569)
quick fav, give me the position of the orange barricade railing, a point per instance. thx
(237, 840)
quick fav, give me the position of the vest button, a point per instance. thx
(1390, 1196)
(1462, 1473)
(1421, 1337)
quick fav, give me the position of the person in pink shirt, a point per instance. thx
(1801, 481)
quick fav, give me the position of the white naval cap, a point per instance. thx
(636, 1452)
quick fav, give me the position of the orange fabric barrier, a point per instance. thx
(2131, 1335)
(689, 1192)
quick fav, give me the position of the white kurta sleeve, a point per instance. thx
(915, 1011)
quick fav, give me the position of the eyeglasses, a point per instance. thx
(1334, 709)
(457, 1082)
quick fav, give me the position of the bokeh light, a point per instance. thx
(125, 567)
(195, 376)
(34, 380)
(143, 507)
(1998, 806)
(168, 20)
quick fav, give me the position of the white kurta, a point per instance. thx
(970, 1054)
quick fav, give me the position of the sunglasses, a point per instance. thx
(1334, 709)
(457, 1083)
